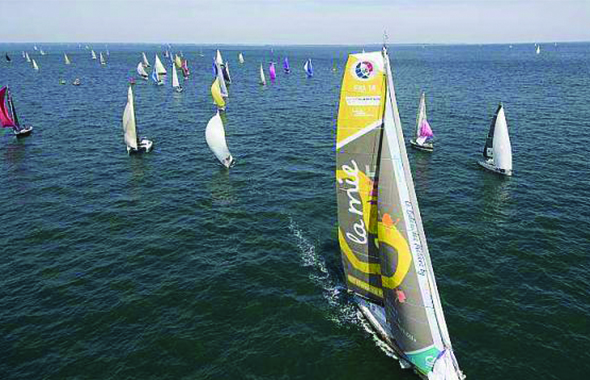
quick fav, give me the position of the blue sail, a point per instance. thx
(155, 76)
(308, 68)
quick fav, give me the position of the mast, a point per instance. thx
(13, 109)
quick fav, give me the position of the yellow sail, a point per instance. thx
(178, 61)
(216, 94)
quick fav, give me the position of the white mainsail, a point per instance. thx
(502, 147)
(538, 49)
(262, 78)
(102, 60)
(215, 136)
(129, 127)
(145, 60)
(27, 57)
(159, 67)
(175, 83)
(67, 59)
(218, 58)
(35, 65)
(93, 54)
(141, 71)
(241, 58)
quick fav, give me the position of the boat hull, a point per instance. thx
(25, 131)
(145, 146)
(494, 169)
(428, 147)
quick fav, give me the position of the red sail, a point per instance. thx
(5, 118)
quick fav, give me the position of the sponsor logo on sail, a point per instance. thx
(364, 70)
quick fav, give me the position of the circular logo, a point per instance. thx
(364, 70)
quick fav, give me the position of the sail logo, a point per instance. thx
(364, 70)
(355, 206)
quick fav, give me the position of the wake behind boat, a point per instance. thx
(134, 145)
(8, 116)
(423, 134)
(384, 250)
(497, 151)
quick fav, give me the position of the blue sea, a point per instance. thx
(168, 266)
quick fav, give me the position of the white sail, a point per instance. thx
(215, 136)
(160, 70)
(93, 54)
(218, 58)
(27, 57)
(102, 60)
(145, 60)
(241, 58)
(538, 49)
(141, 71)
(421, 115)
(67, 59)
(129, 127)
(502, 148)
(35, 65)
(175, 83)
(262, 78)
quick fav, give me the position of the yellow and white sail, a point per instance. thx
(216, 94)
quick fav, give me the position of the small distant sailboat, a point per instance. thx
(272, 72)
(497, 151)
(334, 67)
(141, 71)
(35, 48)
(35, 64)
(423, 134)
(262, 77)
(8, 117)
(93, 54)
(41, 52)
(241, 58)
(215, 137)
(134, 145)
(27, 57)
(286, 67)
(185, 71)
(62, 81)
(308, 67)
(216, 95)
(175, 84)
(67, 59)
(77, 82)
(102, 60)
(538, 51)
(159, 72)
(7, 57)
(145, 60)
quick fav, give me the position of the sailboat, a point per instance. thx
(241, 58)
(286, 66)
(216, 95)
(175, 84)
(262, 78)
(226, 76)
(308, 67)
(134, 145)
(141, 71)
(102, 60)
(7, 57)
(215, 137)
(35, 48)
(159, 72)
(384, 250)
(145, 60)
(67, 59)
(218, 58)
(185, 71)
(423, 131)
(27, 57)
(24, 56)
(8, 117)
(497, 151)
(41, 52)
(272, 72)
(35, 64)
(93, 54)
(538, 51)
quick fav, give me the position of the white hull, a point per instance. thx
(490, 166)
(426, 147)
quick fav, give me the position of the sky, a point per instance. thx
(275, 22)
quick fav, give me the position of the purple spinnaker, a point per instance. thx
(425, 130)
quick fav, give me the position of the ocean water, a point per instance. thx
(167, 266)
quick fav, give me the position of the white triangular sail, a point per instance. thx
(102, 60)
(145, 60)
(175, 83)
(27, 57)
(218, 58)
(67, 59)
(159, 67)
(141, 71)
(241, 58)
(262, 77)
(421, 114)
(35, 65)
(129, 127)
(215, 136)
(93, 54)
(501, 141)
(538, 49)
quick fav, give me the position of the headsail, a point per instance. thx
(488, 148)
(5, 114)
(262, 78)
(216, 94)
(129, 127)
(215, 137)
(423, 130)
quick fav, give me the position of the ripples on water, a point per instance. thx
(167, 266)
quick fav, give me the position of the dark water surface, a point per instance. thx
(165, 266)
